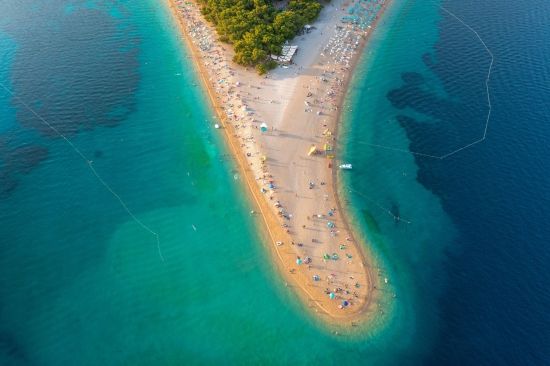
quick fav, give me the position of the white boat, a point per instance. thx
(345, 166)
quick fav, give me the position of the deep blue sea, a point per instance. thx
(472, 239)
(464, 239)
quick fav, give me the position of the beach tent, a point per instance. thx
(263, 127)
(287, 52)
(312, 150)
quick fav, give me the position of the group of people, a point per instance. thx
(235, 99)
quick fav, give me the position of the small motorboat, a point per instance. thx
(345, 166)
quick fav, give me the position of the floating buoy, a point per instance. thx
(216, 126)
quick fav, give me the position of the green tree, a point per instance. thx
(255, 28)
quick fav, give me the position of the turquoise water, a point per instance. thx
(383, 185)
(83, 283)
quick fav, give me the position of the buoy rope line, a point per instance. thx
(397, 218)
(89, 163)
(487, 80)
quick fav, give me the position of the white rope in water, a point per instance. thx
(386, 210)
(487, 80)
(89, 164)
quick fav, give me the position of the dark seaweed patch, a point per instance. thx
(72, 72)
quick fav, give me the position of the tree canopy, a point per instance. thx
(256, 28)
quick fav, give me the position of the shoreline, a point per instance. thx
(284, 254)
(337, 181)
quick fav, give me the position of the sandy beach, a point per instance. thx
(293, 192)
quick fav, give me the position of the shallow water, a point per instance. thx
(83, 283)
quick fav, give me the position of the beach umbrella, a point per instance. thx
(263, 127)
(332, 295)
(312, 150)
(298, 261)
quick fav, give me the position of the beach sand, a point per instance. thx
(292, 193)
